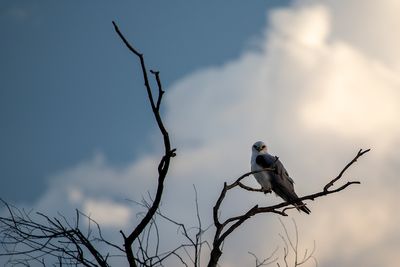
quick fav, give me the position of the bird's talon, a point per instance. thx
(267, 191)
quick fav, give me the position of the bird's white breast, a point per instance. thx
(262, 178)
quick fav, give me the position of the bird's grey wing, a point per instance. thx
(281, 171)
(282, 185)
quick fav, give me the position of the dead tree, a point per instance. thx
(224, 228)
(29, 238)
(57, 237)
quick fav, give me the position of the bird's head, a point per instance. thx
(259, 147)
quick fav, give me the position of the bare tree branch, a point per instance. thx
(165, 160)
(359, 154)
(293, 246)
(189, 251)
(267, 261)
(30, 240)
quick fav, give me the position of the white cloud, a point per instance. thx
(369, 26)
(107, 213)
(316, 91)
(310, 27)
(308, 92)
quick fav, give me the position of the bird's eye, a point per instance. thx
(263, 147)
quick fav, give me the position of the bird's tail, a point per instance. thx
(300, 206)
(293, 199)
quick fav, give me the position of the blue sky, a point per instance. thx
(316, 80)
(69, 89)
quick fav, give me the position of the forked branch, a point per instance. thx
(225, 228)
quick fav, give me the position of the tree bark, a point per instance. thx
(214, 256)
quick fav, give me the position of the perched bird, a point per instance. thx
(277, 180)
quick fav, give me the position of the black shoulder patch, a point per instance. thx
(266, 160)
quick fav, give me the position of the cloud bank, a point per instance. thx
(323, 82)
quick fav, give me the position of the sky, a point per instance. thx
(316, 80)
(70, 90)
